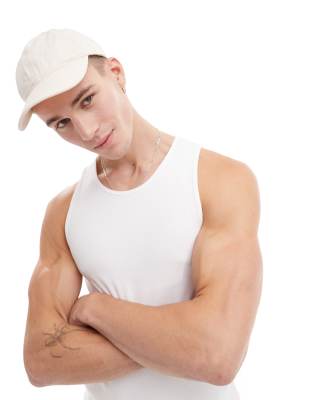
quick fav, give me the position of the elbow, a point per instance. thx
(34, 372)
(222, 377)
(33, 380)
(220, 373)
(33, 377)
(226, 370)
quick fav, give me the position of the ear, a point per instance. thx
(116, 69)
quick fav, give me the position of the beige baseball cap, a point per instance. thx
(51, 63)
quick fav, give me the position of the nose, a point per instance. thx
(84, 128)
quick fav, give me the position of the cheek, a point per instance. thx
(124, 112)
(117, 107)
(69, 137)
(127, 114)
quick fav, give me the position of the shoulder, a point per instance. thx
(55, 215)
(226, 186)
(52, 238)
(60, 202)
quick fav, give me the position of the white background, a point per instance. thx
(235, 76)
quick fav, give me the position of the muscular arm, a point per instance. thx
(205, 338)
(55, 351)
(167, 338)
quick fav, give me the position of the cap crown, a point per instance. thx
(47, 52)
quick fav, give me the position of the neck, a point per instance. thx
(135, 151)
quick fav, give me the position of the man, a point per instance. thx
(163, 231)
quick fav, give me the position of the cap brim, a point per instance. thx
(63, 79)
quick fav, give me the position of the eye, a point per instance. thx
(90, 96)
(61, 121)
(57, 125)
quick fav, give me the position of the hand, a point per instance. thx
(81, 310)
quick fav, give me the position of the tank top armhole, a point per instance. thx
(198, 205)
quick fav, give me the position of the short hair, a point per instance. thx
(97, 61)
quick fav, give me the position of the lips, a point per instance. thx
(103, 140)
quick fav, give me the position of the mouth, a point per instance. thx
(104, 140)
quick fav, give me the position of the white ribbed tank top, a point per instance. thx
(136, 245)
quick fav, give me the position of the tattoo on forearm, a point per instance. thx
(55, 338)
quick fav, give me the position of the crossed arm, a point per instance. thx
(205, 338)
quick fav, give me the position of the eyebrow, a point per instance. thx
(76, 100)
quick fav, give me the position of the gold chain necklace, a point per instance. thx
(151, 162)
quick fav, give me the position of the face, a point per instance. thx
(102, 108)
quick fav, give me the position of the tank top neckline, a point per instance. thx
(142, 185)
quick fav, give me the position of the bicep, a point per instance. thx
(227, 244)
(55, 283)
(224, 260)
(228, 287)
(53, 288)
(227, 267)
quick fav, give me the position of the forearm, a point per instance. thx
(168, 338)
(67, 354)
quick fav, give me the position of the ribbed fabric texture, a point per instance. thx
(136, 245)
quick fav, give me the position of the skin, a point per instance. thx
(226, 261)
(128, 157)
(226, 270)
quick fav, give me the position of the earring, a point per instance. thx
(123, 89)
